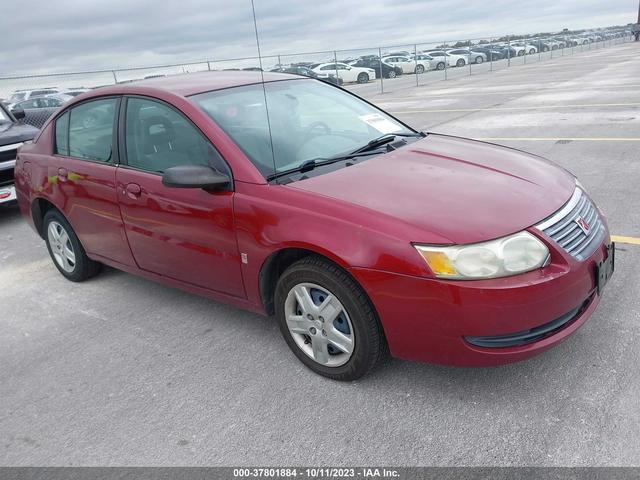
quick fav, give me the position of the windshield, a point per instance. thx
(309, 120)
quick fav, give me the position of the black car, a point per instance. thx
(493, 53)
(388, 71)
(307, 72)
(12, 136)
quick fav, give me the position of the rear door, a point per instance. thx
(83, 177)
(184, 234)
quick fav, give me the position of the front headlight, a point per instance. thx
(518, 253)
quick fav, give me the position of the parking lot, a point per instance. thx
(122, 371)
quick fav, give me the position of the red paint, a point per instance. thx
(440, 190)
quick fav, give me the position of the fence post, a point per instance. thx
(335, 64)
(381, 74)
(491, 54)
(279, 62)
(115, 79)
(446, 62)
(415, 57)
(209, 65)
(508, 50)
(469, 57)
(539, 43)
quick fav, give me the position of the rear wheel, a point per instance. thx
(440, 66)
(532, 51)
(419, 69)
(363, 78)
(65, 249)
(391, 74)
(327, 320)
(460, 62)
(520, 53)
(479, 59)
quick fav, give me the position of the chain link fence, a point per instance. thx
(366, 71)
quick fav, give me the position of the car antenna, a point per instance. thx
(264, 89)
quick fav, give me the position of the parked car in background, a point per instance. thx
(346, 72)
(408, 65)
(74, 92)
(468, 55)
(12, 136)
(38, 109)
(20, 95)
(529, 49)
(307, 72)
(453, 60)
(491, 53)
(374, 63)
(319, 213)
(434, 64)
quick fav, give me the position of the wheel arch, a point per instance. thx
(39, 208)
(278, 261)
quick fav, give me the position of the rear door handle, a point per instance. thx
(132, 190)
(62, 174)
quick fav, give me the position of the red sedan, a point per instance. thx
(296, 198)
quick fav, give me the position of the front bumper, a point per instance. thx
(433, 320)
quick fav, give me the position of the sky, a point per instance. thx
(44, 36)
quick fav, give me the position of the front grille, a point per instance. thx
(8, 155)
(564, 227)
(6, 177)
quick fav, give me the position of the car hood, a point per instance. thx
(459, 189)
(16, 133)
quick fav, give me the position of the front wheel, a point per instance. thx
(363, 78)
(419, 69)
(327, 320)
(460, 62)
(65, 249)
(440, 66)
(479, 59)
(532, 51)
(391, 74)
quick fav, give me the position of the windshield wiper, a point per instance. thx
(309, 165)
(386, 138)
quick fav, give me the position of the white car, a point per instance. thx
(408, 64)
(470, 56)
(528, 48)
(434, 63)
(346, 72)
(452, 59)
(21, 95)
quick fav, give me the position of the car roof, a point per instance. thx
(194, 83)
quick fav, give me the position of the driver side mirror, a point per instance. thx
(195, 176)
(18, 113)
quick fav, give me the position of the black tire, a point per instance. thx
(479, 59)
(545, 49)
(363, 78)
(520, 53)
(440, 66)
(419, 69)
(391, 74)
(84, 268)
(532, 51)
(460, 63)
(369, 342)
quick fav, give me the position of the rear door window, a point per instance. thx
(91, 130)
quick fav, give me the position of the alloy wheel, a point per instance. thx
(61, 247)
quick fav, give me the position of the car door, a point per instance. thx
(83, 178)
(185, 234)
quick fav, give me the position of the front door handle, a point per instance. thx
(132, 190)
